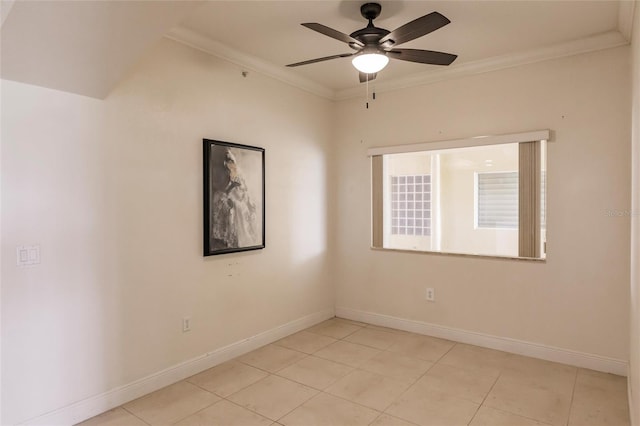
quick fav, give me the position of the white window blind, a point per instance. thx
(497, 200)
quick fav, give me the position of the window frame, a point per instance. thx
(532, 146)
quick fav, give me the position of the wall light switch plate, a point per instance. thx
(28, 255)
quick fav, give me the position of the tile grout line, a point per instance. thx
(368, 346)
(188, 415)
(374, 420)
(502, 410)
(412, 383)
(359, 368)
(376, 374)
(395, 417)
(207, 390)
(400, 332)
(360, 328)
(332, 360)
(298, 406)
(485, 398)
(242, 388)
(353, 402)
(573, 392)
(415, 381)
(433, 364)
(445, 354)
(134, 415)
(248, 409)
(262, 415)
(267, 371)
(309, 386)
(275, 373)
(196, 412)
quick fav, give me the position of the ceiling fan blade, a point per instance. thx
(416, 28)
(326, 58)
(364, 77)
(330, 32)
(423, 56)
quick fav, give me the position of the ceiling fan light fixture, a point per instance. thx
(375, 46)
(370, 63)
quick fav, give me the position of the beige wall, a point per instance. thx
(574, 299)
(634, 356)
(112, 192)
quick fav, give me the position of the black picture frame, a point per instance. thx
(234, 197)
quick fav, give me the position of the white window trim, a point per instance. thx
(537, 135)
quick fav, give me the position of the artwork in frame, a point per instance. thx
(234, 204)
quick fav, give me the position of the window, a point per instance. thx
(474, 196)
(411, 205)
(497, 195)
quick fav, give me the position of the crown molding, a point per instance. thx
(626, 9)
(584, 45)
(594, 43)
(198, 41)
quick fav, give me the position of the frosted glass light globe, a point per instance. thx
(370, 63)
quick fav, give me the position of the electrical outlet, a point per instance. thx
(186, 324)
(431, 295)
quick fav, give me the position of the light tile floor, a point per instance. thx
(342, 372)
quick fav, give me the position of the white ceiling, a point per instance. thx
(86, 46)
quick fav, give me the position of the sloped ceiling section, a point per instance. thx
(82, 47)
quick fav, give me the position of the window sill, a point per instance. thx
(474, 256)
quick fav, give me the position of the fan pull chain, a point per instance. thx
(367, 94)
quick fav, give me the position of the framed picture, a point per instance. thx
(233, 197)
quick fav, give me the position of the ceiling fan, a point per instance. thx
(374, 46)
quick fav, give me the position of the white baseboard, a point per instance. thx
(87, 408)
(535, 350)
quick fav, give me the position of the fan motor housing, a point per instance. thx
(369, 35)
